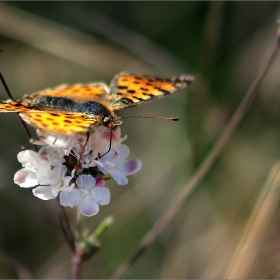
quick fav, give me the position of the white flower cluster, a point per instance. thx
(59, 168)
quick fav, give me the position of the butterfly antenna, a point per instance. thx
(151, 117)
(11, 97)
(5, 86)
(110, 145)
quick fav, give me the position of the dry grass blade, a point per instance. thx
(247, 247)
(42, 33)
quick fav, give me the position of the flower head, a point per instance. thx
(74, 167)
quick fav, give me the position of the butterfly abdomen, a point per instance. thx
(54, 103)
(68, 105)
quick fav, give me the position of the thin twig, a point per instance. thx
(76, 264)
(202, 170)
(66, 228)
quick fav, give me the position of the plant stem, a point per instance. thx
(76, 263)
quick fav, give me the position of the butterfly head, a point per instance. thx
(111, 121)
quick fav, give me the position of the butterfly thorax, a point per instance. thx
(91, 109)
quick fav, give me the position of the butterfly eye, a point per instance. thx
(108, 122)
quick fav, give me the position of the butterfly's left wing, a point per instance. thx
(129, 90)
(79, 93)
(60, 123)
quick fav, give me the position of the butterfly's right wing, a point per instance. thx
(58, 122)
(129, 90)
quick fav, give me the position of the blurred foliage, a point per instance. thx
(224, 45)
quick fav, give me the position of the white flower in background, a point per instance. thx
(59, 168)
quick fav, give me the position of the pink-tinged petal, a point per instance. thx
(69, 198)
(43, 192)
(118, 177)
(123, 151)
(88, 207)
(25, 178)
(85, 182)
(29, 159)
(101, 195)
(99, 182)
(131, 166)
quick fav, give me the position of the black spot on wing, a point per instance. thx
(144, 89)
(137, 77)
(122, 87)
(165, 92)
(131, 91)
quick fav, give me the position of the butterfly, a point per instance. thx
(67, 110)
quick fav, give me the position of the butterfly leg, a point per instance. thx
(81, 153)
(110, 145)
(83, 149)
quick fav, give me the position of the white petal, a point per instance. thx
(25, 178)
(69, 198)
(88, 207)
(118, 177)
(85, 182)
(101, 195)
(29, 159)
(59, 170)
(123, 151)
(43, 192)
(131, 166)
(102, 168)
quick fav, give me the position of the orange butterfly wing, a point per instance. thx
(79, 93)
(65, 123)
(61, 123)
(13, 106)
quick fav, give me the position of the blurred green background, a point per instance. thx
(224, 45)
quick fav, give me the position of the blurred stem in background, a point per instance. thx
(200, 95)
(202, 170)
(248, 246)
